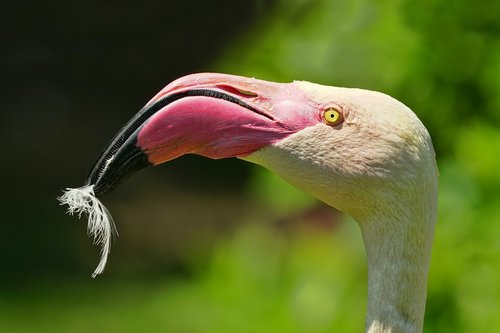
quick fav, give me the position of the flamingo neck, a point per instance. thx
(398, 252)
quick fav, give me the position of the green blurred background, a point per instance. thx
(224, 246)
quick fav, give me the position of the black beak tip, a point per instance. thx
(122, 156)
(111, 170)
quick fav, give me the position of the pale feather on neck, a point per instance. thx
(398, 254)
(379, 167)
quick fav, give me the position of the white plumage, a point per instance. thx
(100, 225)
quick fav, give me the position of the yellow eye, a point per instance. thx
(332, 117)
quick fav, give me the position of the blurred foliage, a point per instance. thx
(279, 270)
(258, 281)
(440, 58)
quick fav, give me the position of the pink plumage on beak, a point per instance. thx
(214, 115)
(227, 116)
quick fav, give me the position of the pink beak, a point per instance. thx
(214, 115)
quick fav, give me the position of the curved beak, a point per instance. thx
(214, 115)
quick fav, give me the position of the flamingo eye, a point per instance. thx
(332, 117)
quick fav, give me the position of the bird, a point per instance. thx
(360, 151)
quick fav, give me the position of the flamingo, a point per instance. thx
(360, 151)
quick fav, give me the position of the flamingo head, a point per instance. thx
(345, 146)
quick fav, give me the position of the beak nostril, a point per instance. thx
(237, 91)
(247, 93)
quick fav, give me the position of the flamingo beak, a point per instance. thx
(213, 115)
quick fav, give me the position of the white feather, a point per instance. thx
(100, 222)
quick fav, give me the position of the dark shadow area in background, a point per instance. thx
(73, 73)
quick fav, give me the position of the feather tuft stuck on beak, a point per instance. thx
(100, 224)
